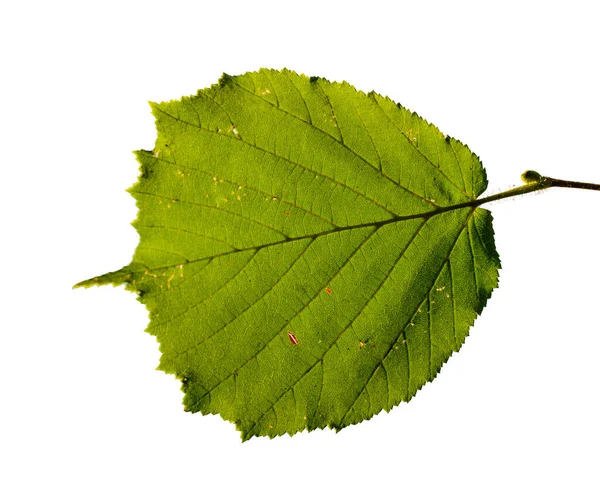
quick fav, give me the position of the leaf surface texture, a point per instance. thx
(301, 253)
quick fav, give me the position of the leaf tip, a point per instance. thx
(85, 284)
(116, 278)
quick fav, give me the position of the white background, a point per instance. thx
(83, 409)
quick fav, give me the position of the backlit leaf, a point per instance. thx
(304, 254)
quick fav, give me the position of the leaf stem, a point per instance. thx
(533, 183)
(572, 184)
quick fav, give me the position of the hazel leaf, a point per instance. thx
(309, 254)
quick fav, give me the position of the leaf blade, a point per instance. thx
(298, 251)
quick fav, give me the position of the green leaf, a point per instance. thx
(309, 254)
